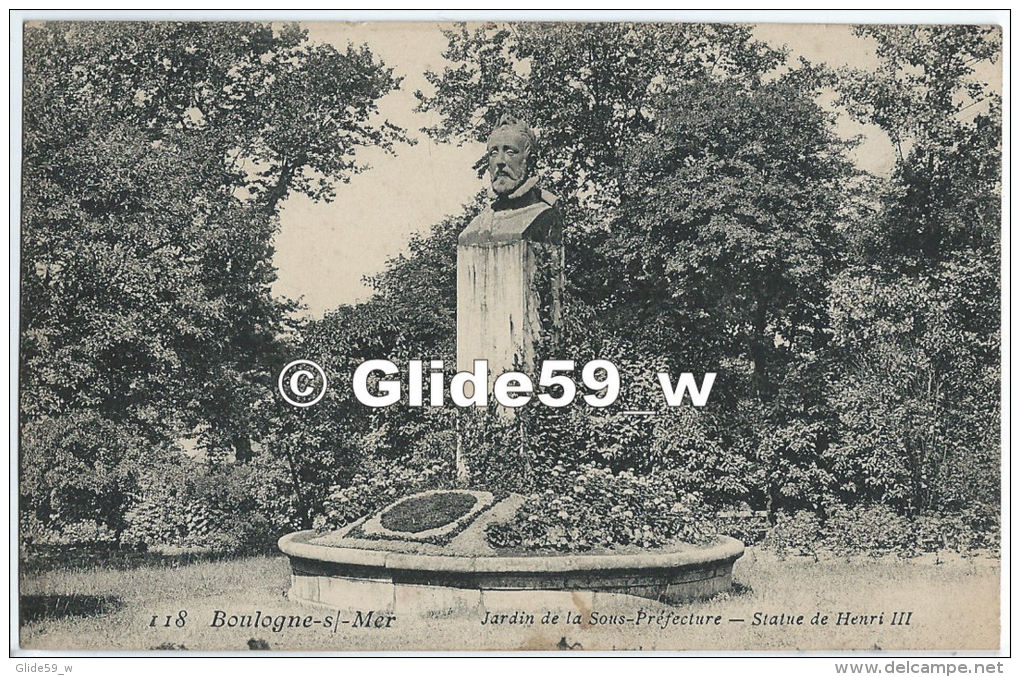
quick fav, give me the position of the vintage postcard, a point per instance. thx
(509, 336)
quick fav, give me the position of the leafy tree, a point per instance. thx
(156, 158)
(729, 227)
(587, 87)
(80, 467)
(916, 316)
(410, 316)
(702, 187)
(590, 91)
(723, 248)
(917, 396)
(944, 125)
(714, 219)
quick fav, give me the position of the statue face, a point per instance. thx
(508, 160)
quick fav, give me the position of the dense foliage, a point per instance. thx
(915, 316)
(715, 221)
(590, 507)
(379, 484)
(877, 530)
(156, 156)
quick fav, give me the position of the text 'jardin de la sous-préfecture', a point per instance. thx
(303, 383)
(643, 618)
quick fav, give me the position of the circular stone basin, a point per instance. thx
(341, 571)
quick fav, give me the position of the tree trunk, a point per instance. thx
(303, 508)
(758, 352)
(279, 191)
(242, 448)
(760, 381)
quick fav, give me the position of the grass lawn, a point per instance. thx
(110, 606)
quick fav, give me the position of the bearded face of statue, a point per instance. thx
(509, 151)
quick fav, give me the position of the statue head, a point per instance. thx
(511, 151)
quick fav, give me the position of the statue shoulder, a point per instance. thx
(547, 226)
(548, 197)
(483, 216)
(477, 227)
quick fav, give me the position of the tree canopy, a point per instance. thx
(156, 158)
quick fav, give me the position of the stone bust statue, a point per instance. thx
(509, 265)
(511, 151)
(521, 208)
(510, 260)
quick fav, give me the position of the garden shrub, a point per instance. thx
(965, 532)
(86, 532)
(877, 530)
(495, 451)
(380, 483)
(250, 504)
(169, 511)
(799, 534)
(227, 508)
(591, 507)
(934, 533)
(749, 528)
(983, 521)
(873, 530)
(81, 468)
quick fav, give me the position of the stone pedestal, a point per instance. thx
(509, 286)
(509, 282)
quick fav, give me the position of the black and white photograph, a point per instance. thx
(654, 335)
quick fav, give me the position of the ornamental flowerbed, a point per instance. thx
(430, 511)
(434, 517)
(591, 507)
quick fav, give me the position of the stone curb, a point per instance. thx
(725, 550)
